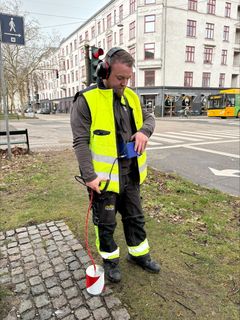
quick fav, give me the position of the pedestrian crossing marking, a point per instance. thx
(193, 140)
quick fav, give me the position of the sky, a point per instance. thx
(63, 16)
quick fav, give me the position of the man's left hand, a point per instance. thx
(140, 142)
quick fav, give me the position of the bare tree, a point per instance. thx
(21, 62)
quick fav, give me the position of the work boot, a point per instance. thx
(111, 269)
(145, 262)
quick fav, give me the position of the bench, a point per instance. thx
(16, 133)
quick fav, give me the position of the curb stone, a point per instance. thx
(45, 265)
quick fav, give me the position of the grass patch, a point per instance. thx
(192, 231)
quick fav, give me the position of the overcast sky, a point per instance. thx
(64, 16)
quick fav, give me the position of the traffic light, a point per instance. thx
(57, 74)
(95, 54)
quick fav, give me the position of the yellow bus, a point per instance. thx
(224, 104)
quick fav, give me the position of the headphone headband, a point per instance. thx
(112, 52)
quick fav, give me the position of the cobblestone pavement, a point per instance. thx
(45, 265)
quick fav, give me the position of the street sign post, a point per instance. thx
(12, 29)
(11, 32)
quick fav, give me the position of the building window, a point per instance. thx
(132, 52)
(192, 5)
(221, 80)
(76, 75)
(206, 79)
(149, 78)
(66, 50)
(208, 54)
(132, 30)
(190, 54)
(72, 76)
(149, 23)
(121, 36)
(75, 44)
(149, 51)
(227, 9)
(93, 32)
(188, 79)
(209, 30)
(211, 6)
(109, 42)
(132, 4)
(80, 38)
(114, 16)
(115, 37)
(121, 13)
(226, 33)
(224, 57)
(109, 21)
(191, 28)
(150, 1)
(86, 35)
(99, 27)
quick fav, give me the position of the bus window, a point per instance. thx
(215, 102)
(230, 100)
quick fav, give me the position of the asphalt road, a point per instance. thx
(203, 150)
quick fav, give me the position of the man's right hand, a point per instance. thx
(95, 184)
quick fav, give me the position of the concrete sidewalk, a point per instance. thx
(45, 265)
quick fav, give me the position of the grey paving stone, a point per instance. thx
(29, 315)
(12, 244)
(45, 313)
(25, 305)
(55, 292)
(82, 313)
(18, 278)
(27, 252)
(41, 301)
(112, 301)
(100, 314)
(51, 282)
(38, 289)
(35, 280)
(23, 240)
(64, 275)
(76, 302)
(71, 292)
(20, 287)
(120, 314)
(10, 233)
(17, 270)
(63, 312)
(32, 272)
(47, 273)
(67, 283)
(94, 303)
(18, 230)
(59, 302)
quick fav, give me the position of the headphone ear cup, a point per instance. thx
(103, 70)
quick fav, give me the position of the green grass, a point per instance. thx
(192, 231)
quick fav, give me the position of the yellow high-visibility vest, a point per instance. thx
(103, 140)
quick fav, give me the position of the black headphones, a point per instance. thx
(104, 67)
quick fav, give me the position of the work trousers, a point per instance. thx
(128, 204)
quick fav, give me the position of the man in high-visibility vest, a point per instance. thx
(110, 134)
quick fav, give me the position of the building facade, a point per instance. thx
(183, 49)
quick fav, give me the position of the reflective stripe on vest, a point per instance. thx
(106, 255)
(103, 146)
(140, 250)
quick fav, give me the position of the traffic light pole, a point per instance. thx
(87, 65)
